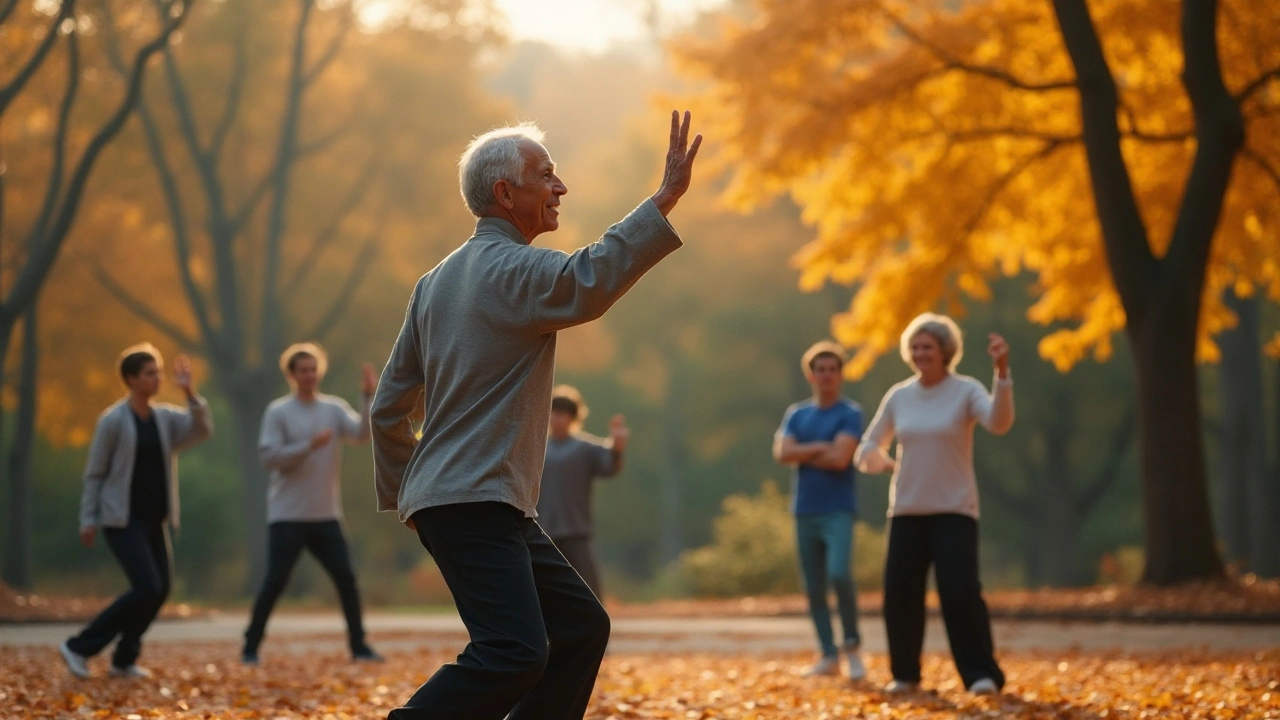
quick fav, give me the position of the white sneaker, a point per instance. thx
(76, 663)
(857, 671)
(898, 687)
(826, 666)
(984, 686)
(133, 672)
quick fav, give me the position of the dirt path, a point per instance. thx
(302, 632)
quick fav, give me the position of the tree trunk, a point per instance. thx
(249, 401)
(1059, 529)
(1177, 530)
(17, 545)
(1248, 519)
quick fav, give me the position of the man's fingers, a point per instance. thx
(693, 149)
(675, 129)
(684, 132)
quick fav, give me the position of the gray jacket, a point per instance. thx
(474, 361)
(108, 475)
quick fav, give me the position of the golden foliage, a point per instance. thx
(204, 680)
(935, 147)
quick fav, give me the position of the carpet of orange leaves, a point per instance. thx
(16, 606)
(206, 681)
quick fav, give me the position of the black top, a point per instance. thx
(149, 493)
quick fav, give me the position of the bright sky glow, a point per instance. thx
(592, 25)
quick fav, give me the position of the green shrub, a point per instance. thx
(753, 551)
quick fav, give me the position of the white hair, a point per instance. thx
(491, 157)
(943, 329)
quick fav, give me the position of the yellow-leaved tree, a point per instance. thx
(1123, 152)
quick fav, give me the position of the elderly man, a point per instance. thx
(473, 365)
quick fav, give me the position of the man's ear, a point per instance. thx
(502, 192)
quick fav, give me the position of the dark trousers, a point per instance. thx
(581, 554)
(538, 635)
(286, 541)
(950, 543)
(142, 549)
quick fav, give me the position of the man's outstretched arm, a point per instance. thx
(396, 403)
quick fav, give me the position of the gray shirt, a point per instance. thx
(305, 482)
(474, 361)
(108, 474)
(568, 474)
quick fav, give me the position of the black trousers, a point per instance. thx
(538, 635)
(142, 549)
(581, 553)
(286, 541)
(950, 543)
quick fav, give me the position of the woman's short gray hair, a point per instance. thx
(943, 329)
(491, 157)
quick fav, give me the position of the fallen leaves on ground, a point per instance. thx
(18, 606)
(204, 680)
(1247, 599)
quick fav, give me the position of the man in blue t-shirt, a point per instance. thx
(817, 438)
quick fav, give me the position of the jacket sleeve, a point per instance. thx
(193, 425)
(563, 290)
(101, 449)
(879, 435)
(396, 404)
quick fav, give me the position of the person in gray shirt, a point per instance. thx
(301, 443)
(574, 460)
(470, 375)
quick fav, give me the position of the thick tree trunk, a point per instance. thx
(1247, 517)
(17, 545)
(1059, 531)
(248, 402)
(1178, 532)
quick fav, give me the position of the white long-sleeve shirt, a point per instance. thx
(934, 429)
(305, 481)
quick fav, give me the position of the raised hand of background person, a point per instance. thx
(679, 168)
(321, 439)
(87, 536)
(182, 375)
(369, 380)
(619, 432)
(998, 349)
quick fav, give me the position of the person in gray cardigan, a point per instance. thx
(131, 493)
(470, 375)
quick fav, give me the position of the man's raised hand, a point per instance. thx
(679, 168)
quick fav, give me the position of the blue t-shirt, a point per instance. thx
(815, 490)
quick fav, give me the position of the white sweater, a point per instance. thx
(934, 427)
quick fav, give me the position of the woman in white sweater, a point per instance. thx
(933, 498)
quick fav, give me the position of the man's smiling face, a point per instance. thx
(536, 202)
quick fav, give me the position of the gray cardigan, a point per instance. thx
(474, 361)
(108, 475)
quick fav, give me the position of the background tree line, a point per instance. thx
(287, 173)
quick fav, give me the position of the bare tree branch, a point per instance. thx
(343, 299)
(168, 181)
(250, 205)
(955, 63)
(57, 168)
(1257, 159)
(355, 195)
(327, 57)
(144, 312)
(37, 268)
(28, 70)
(1137, 133)
(325, 141)
(235, 93)
(1257, 84)
(7, 10)
(1121, 440)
